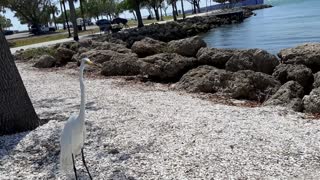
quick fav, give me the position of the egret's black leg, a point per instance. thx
(74, 167)
(84, 163)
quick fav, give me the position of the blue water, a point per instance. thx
(287, 24)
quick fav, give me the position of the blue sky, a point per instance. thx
(17, 26)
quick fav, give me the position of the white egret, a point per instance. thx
(74, 132)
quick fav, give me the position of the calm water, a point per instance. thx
(287, 24)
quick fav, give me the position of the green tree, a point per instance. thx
(30, 11)
(4, 22)
(135, 5)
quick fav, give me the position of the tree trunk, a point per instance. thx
(182, 8)
(139, 17)
(198, 7)
(156, 12)
(175, 7)
(134, 15)
(161, 15)
(54, 20)
(82, 14)
(64, 22)
(194, 7)
(16, 111)
(174, 12)
(65, 15)
(73, 20)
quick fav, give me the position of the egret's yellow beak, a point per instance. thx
(89, 62)
(92, 63)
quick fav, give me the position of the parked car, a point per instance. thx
(41, 29)
(8, 32)
(104, 24)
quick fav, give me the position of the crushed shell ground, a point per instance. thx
(136, 131)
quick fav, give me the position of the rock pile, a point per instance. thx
(252, 74)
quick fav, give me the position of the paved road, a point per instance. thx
(18, 35)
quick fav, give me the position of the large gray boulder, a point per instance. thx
(311, 102)
(316, 78)
(45, 61)
(247, 84)
(121, 65)
(296, 72)
(166, 66)
(206, 79)
(252, 59)
(214, 56)
(148, 46)
(307, 54)
(186, 47)
(120, 48)
(64, 56)
(97, 56)
(289, 95)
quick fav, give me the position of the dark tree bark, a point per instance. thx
(16, 111)
(64, 22)
(82, 14)
(73, 20)
(174, 12)
(156, 12)
(139, 17)
(65, 15)
(182, 8)
(161, 16)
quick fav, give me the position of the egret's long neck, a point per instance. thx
(83, 96)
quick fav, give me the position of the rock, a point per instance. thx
(311, 102)
(215, 57)
(186, 47)
(110, 46)
(206, 79)
(316, 78)
(166, 66)
(45, 61)
(247, 84)
(121, 65)
(85, 43)
(64, 56)
(74, 46)
(299, 72)
(253, 59)
(148, 46)
(289, 95)
(113, 151)
(307, 54)
(97, 56)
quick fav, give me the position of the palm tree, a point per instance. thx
(66, 17)
(73, 20)
(182, 8)
(82, 14)
(54, 10)
(17, 112)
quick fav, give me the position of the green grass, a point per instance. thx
(33, 52)
(37, 39)
(46, 38)
(133, 23)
